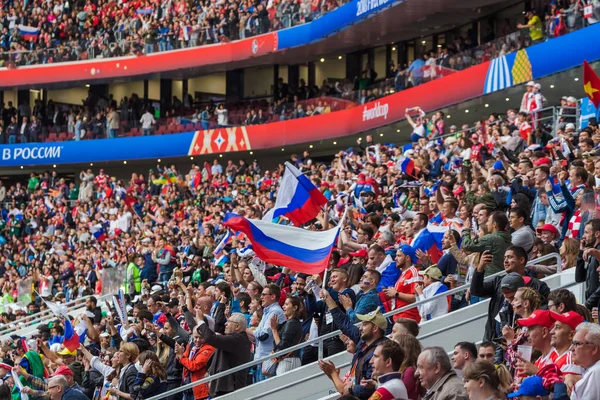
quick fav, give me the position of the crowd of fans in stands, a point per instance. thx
(32, 33)
(506, 194)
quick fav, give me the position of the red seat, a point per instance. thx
(134, 132)
(198, 126)
(62, 136)
(172, 128)
(190, 127)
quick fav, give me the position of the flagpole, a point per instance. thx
(340, 225)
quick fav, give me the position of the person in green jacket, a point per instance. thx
(497, 240)
(133, 281)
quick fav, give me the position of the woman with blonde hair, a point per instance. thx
(486, 381)
(412, 348)
(127, 356)
(151, 381)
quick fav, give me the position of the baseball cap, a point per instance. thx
(538, 317)
(570, 125)
(375, 317)
(173, 303)
(512, 282)
(543, 160)
(63, 370)
(530, 83)
(550, 228)
(409, 251)
(570, 318)
(531, 386)
(433, 272)
(67, 352)
(360, 253)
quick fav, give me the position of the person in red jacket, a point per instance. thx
(194, 358)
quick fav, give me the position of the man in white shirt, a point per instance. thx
(586, 353)
(432, 286)
(147, 121)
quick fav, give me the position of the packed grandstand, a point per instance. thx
(355, 272)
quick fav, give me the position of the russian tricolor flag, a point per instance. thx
(298, 249)
(297, 199)
(226, 239)
(71, 341)
(430, 242)
(98, 232)
(406, 165)
(28, 32)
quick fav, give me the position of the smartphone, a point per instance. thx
(488, 249)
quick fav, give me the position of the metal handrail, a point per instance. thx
(39, 317)
(347, 363)
(321, 339)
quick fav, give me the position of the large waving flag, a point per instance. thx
(28, 32)
(427, 242)
(591, 84)
(71, 341)
(406, 165)
(297, 199)
(298, 249)
(226, 239)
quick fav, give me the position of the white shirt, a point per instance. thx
(147, 120)
(588, 388)
(434, 308)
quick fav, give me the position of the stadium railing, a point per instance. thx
(320, 340)
(46, 316)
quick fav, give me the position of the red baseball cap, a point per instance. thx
(570, 318)
(539, 317)
(360, 253)
(543, 160)
(550, 228)
(63, 370)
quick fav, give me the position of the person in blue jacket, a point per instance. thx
(367, 299)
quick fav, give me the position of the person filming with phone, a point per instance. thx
(496, 241)
(515, 259)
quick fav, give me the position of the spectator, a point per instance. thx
(486, 351)
(386, 361)
(437, 376)
(147, 122)
(586, 354)
(403, 293)
(232, 350)
(58, 389)
(522, 236)
(370, 334)
(114, 122)
(288, 335)
(367, 299)
(432, 286)
(411, 348)
(587, 263)
(484, 380)
(515, 259)
(222, 119)
(495, 242)
(263, 335)
(465, 354)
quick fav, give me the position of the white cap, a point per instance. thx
(538, 86)
(156, 288)
(570, 125)
(571, 99)
(531, 83)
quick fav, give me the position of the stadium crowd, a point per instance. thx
(196, 304)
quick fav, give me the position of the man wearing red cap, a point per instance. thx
(560, 338)
(538, 326)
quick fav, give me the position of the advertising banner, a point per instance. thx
(452, 89)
